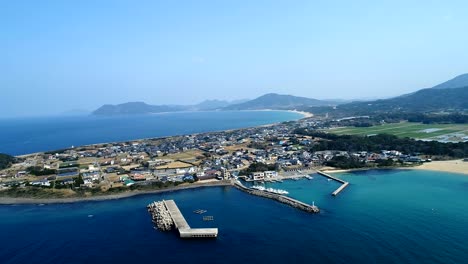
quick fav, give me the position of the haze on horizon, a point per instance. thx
(63, 55)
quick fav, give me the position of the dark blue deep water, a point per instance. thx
(28, 135)
(394, 216)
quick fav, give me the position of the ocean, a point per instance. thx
(28, 135)
(384, 216)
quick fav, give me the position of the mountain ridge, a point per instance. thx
(267, 101)
(457, 82)
(278, 101)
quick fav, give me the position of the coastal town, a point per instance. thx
(266, 153)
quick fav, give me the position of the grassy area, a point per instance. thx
(406, 129)
(187, 155)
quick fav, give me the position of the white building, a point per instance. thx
(258, 176)
(270, 174)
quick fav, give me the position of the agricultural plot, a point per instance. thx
(439, 132)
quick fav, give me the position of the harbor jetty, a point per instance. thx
(344, 184)
(166, 214)
(278, 197)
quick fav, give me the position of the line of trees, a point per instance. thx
(380, 142)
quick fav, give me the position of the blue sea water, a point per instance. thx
(391, 216)
(29, 135)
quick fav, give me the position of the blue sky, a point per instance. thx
(62, 55)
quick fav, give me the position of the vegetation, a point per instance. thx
(405, 129)
(6, 161)
(344, 162)
(380, 142)
(257, 166)
(422, 101)
(38, 171)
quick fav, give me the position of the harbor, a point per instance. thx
(166, 214)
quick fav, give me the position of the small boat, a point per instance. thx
(200, 211)
(309, 177)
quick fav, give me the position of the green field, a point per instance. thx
(443, 132)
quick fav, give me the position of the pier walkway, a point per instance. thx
(185, 231)
(176, 215)
(344, 184)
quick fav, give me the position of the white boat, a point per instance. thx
(309, 177)
(271, 190)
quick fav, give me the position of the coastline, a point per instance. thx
(452, 166)
(21, 200)
(304, 115)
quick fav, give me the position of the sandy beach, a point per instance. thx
(20, 200)
(305, 114)
(455, 166)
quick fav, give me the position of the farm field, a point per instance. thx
(439, 132)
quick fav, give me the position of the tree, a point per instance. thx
(6, 161)
(79, 181)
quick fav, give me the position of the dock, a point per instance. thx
(344, 184)
(170, 214)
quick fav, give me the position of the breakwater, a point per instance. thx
(160, 215)
(344, 184)
(166, 214)
(280, 198)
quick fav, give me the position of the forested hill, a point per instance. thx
(422, 101)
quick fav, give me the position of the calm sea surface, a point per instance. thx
(28, 135)
(394, 216)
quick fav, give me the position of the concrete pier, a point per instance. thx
(185, 231)
(344, 184)
(337, 191)
(280, 198)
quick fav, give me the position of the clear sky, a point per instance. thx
(61, 55)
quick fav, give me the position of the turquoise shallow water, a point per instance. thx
(393, 216)
(28, 135)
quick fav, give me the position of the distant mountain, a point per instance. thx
(278, 101)
(212, 104)
(457, 82)
(134, 108)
